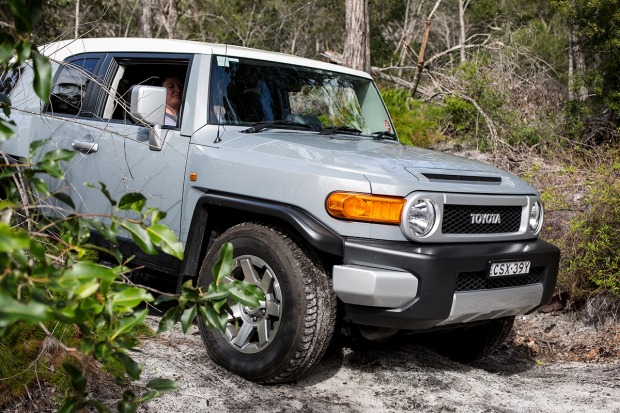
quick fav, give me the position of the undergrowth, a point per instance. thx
(592, 242)
(28, 358)
(417, 123)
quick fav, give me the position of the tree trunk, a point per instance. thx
(462, 24)
(77, 18)
(357, 42)
(578, 63)
(145, 19)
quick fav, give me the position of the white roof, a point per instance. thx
(61, 50)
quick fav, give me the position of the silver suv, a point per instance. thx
(297, 163)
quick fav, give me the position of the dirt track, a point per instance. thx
(401, 377)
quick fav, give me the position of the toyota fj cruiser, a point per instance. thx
(297, 163)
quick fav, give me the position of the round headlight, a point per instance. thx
(536, 218)
(421, 217)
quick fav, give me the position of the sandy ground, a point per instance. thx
(527, 374)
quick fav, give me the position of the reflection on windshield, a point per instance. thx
(246, 92)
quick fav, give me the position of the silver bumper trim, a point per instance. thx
(489, 304)
(355, 284)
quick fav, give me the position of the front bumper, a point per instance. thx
(408, 286)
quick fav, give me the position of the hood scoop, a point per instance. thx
(470, 179)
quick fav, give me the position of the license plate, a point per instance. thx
(505, 268)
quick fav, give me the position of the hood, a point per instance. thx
(384, 163)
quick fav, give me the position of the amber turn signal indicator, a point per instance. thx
(365, 207)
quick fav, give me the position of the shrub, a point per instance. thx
(592, 243)
(417, 123)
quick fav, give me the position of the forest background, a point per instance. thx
(530, 86)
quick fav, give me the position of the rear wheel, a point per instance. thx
(467, 344)
(290, 331)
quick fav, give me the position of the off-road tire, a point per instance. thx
(308, 305)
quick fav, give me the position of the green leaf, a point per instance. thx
(40, 185)
(69, 406)
(42, 75)
(170, 318)
(104, 190)
(106, 230)
(130, 298)
(5, 103)
(148, 396)
(35, 145)
(164, 237)
(132, 201)
(164, 299)
(162, 385)
(51, 168)
(129, 322)
(5, 131)
(12, 310)
(6, 50)
(188, 318)
(246, 294)
(224, 266)
(23, 50)
(91, 305)
(78, 381)
(127, 406)
(132, 368)
(62, 197)
(140, 236)
(215, 295)
(157, 215)
(57, 155)
(219, 304)
(86, 290)
(12, 240)
(212, 317)
(85, 272)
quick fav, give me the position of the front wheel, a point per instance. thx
(289, 332)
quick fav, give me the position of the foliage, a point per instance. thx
(417, 123)
(596, 24)
(47, 283)
(592, 242)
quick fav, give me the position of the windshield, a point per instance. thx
(246, 91)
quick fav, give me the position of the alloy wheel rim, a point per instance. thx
(250, 330)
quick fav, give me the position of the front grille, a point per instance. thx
(457, 219)
(473, 281)
(464, 178)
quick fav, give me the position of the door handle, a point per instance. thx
(85, 147)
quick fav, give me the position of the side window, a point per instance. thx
(129, 72)
(9, 80)
(70, 85)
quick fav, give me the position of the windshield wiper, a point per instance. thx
(339, 129)
(384, 135)
(259, 126)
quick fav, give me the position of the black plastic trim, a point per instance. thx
(306, 225)
(437, 267)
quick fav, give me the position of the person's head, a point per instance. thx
(174, 87)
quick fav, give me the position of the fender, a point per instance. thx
(306, 225)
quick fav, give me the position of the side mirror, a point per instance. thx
(148, 107)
